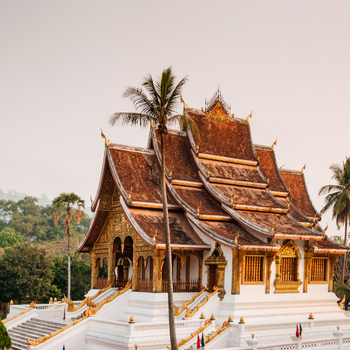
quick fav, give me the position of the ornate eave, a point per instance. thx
(217, 106)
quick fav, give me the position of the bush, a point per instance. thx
(5, 340)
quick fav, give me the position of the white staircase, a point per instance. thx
(33, 329)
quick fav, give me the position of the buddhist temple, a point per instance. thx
(237, 221)
(250, 259)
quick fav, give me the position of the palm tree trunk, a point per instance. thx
(345, 255)
(68, 234)
(173, 342)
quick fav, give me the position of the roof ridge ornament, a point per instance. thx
(217, 108)
(107, 142)
(249, 116)
(185, 104)
(303, 168)
(274, 144)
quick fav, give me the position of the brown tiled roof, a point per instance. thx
(178, 158)
(230, 139)
(229, 230)
(139, 171)
(268, 166)
(194, 196)
(181, 231)
(283, 225)
(246, 195)
(300, 198)
(238, 172)
(330, 245)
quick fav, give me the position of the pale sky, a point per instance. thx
(65, 64)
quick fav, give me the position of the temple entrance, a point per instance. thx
(216, 264)
(102, 274)
(213, 277)
(145, 272)
(123, 259)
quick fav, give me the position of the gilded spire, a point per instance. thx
(249, 116)
(274, 144)
(107, 142)
(185, 104)
(303, 168)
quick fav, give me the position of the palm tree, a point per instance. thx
(72, 206)
(157, 106)
(338, 198)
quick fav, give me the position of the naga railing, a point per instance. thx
(32, 305)
(178, 311)
(192, 335)
(93, 307)
(190, 313)
(72, 308)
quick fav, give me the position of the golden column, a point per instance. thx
(93, 269)
(157, 278)
(237, 259)
(269, 260)
(308, 254)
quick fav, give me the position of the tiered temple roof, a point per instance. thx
(222, 186)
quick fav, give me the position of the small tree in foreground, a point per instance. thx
(5, 340)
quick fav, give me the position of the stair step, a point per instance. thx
(47, 322)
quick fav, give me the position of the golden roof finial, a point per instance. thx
(324, 231)
(311, 316)
(231, 198)
(274, 144)
(236, 238)
(230, 319)
(212, 317)
(152, 124)
(55, 299)
(91, 200)
(170, 173)
(253, 335)
(107, 142)
(291, 185)
(11, 302)
(198, 208)
(273, 228)
(185, 105)
(131, 319)
(154, 237)
(202, 315)
(303, 168)
(241, 320)
(129, 195)
(208, 170)
(249, 116)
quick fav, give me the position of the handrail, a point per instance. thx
(225, 325)
(190, 313)
(72, 308)
(192, 335)
(178, 311)
(49, 336)
(17, 315)
(93, 308)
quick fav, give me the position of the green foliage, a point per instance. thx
(25, 273)
(81, 276)
(8, 239)
(31, 221)
(5, 341)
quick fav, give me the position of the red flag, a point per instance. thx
(297, 332)
(198, 342)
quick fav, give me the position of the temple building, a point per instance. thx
(237, 221)
(250, 258)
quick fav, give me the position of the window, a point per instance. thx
(288, 269)
(254, 269)
(319, 270)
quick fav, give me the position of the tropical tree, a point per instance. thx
(338, 198)
(72, 206)
(25, 273)
(156, 106)
(5, 341)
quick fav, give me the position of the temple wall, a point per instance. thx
(194, 267)
(254, 289)
(301, 246)
(228, 270)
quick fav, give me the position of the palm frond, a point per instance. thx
(186, 122)
(132, 118)
(175, 96)
(150, 87)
